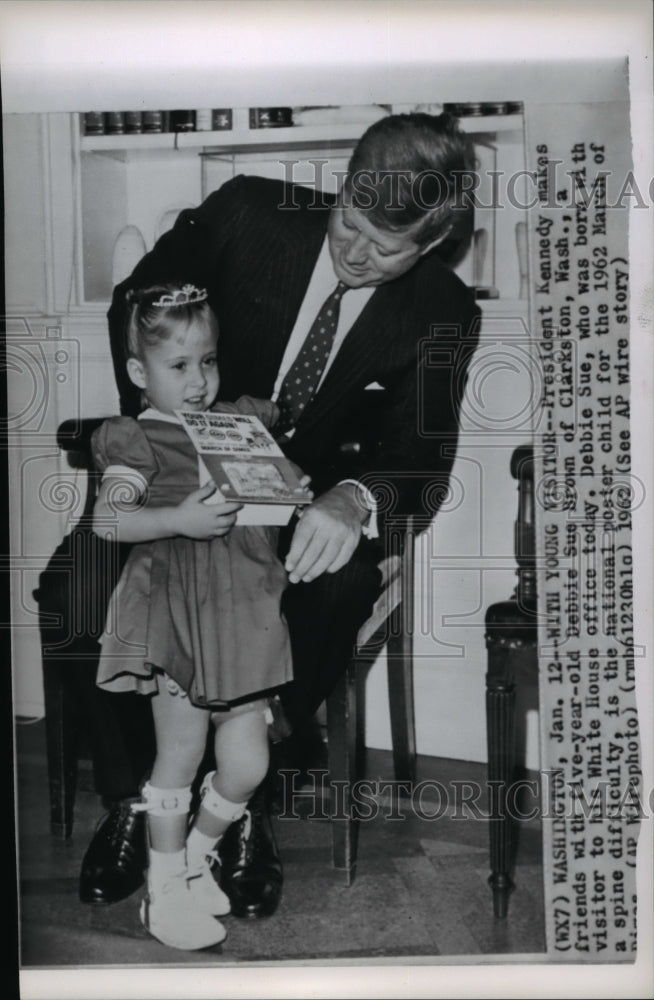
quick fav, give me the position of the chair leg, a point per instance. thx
(362, 669)
(399, 652)
(500, 720)
(342, 745)
(62, 734)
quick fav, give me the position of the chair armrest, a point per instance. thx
(74, 438)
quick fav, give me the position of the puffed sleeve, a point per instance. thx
(120, 447)
(264, 409)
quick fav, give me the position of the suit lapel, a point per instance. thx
(288, 272)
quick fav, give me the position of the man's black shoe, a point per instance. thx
(115, 860)
(251, 871)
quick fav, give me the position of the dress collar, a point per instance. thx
(152, 414)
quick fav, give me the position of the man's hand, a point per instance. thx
(326, 535)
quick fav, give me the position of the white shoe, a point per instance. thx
(171, 914)
(206, 892)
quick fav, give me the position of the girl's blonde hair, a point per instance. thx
(159, 311)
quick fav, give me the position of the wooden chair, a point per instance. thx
(390, 624)
(73, 594)
(511, 641)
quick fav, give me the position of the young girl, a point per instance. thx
(195, 620)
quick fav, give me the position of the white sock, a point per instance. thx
(166, 862)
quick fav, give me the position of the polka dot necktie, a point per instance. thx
(304, 374)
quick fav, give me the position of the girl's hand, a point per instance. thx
(196, 519)
(306, 481)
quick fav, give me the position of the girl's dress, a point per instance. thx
(205, 612)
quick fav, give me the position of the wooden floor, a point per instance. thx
(421, 888)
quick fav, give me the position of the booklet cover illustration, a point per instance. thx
(246, 464)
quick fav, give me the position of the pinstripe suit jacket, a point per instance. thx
(414, 337)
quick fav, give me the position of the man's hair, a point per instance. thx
(409, 170)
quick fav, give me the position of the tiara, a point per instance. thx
(184, 296)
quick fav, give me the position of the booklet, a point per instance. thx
(246, 464)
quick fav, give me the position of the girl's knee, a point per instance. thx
(241, 744)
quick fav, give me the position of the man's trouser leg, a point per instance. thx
(324, 619)
(123, 749)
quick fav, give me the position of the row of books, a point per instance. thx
(203, 120)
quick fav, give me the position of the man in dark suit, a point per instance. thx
(269, 254)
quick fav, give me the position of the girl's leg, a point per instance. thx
(242, 750)
(241, 746)
(169, 910)
(181, 732)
